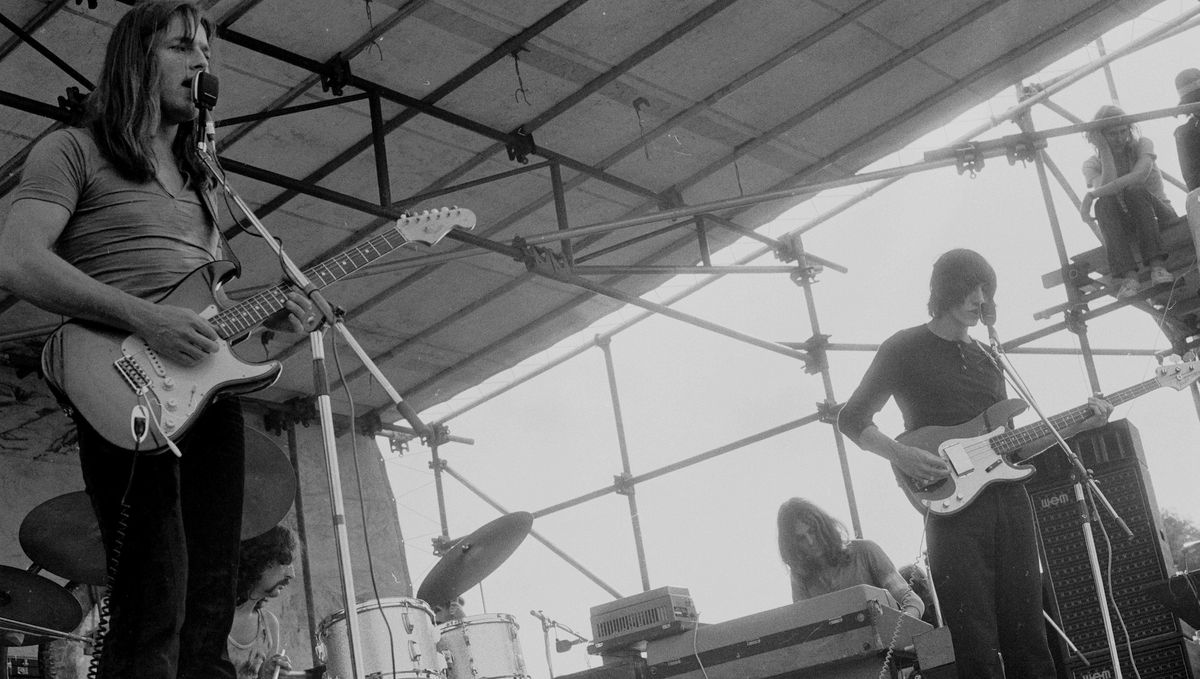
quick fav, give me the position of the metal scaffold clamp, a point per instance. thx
(441, 434)
(827, 411)
(520, 145)
(1076, 319)
(969, 158)
(336, 75)
(538, 258)
(623, 484)
(73, 105)
(816, 358)
(1020, 148)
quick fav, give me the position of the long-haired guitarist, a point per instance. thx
(984, 558)
(107, 218)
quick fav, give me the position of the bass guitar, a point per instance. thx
(112, 378)
(977, 457)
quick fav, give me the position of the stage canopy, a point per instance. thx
(336, 116)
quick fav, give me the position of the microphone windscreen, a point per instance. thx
(205, 90)
(987, 312)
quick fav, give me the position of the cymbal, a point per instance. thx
(471, 559)
(34, 600)
(62, 534)
(270, 484)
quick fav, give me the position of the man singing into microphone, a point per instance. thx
(984, 558)
(106, 220)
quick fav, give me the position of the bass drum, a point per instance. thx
(483, 647)
(399, 639)
(67, 658)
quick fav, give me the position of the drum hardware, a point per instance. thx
(35, 607)
(467, 561)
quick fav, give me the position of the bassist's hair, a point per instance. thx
(955, 274)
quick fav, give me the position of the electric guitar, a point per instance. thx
(112, 377)
(978, 457)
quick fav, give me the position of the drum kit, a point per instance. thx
(62, 537)
(401, 637)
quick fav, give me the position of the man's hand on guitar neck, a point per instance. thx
(301, 314)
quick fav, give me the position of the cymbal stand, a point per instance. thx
(1086, 513)
(324, 404)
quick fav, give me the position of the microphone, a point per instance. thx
(205, 89)
(987, 314)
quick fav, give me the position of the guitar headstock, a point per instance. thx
(1177, 375)
(430, 226)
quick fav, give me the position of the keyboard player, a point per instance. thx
(822, 559)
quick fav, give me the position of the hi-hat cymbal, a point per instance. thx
(34, 600)
(471, 559)
(62, 534)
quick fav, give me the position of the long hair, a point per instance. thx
(123, 111)
(830, 533)
(955, 274)
(1125, 155)
(276, 546)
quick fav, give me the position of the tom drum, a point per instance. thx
(398, 639)
(483, 647)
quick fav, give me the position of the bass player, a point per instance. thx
(107, 218)
(983, 558)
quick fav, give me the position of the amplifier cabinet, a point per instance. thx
(1114, 454)
(1175, 658)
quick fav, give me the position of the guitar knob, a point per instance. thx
(168, 383)
(172, 404)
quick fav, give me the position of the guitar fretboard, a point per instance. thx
(1017, 439)
(251, 312)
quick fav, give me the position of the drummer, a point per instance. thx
(264, 570)
(449, 612)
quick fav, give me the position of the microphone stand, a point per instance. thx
(324, 402)
(561, 646)
(1086, 514)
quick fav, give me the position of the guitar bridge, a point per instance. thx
(133, 374)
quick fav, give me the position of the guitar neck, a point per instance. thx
(1022, 437)
(251, 312)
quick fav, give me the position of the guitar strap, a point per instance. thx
(208, 199)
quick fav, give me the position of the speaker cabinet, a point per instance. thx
(1114, 454)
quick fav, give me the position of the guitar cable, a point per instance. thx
(104, 607)
(362, 510)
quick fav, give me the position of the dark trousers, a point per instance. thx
(1131, 216)
(984, 562)
(172, 599)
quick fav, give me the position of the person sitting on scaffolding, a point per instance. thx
(1187, 135)
(1127, 189)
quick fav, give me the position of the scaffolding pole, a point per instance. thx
(622, 482)
(818, 363)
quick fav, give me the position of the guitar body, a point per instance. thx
(974, 464)
(105, 374)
